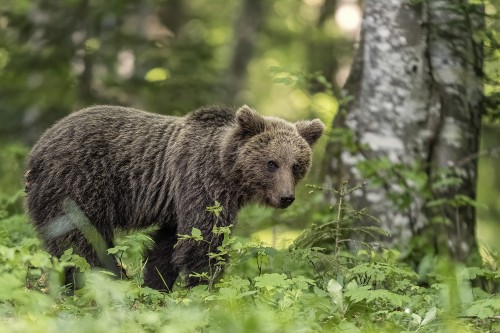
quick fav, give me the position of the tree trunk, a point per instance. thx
(412, 118)
(246, 28)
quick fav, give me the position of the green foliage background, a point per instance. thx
(58, 56)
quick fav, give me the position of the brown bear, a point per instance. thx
(129, 169)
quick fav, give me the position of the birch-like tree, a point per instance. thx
(410, 122)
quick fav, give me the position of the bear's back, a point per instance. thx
(92, 128)
(102, 158)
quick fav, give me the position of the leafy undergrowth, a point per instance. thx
(301, 289)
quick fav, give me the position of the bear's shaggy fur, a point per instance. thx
(129, 169)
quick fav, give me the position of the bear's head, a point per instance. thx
(272, 155)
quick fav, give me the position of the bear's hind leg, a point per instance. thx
(91, 246)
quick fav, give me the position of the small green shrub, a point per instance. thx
(318, 284)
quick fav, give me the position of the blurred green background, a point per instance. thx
(284, 57)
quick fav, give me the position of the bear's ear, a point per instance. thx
(249, 121)
(310, 130)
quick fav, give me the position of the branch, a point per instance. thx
(493, 152)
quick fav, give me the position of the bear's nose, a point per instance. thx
(287, 201)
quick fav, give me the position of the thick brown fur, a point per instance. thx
(129, 169)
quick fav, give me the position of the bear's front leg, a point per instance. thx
(193, 256)
(160, 272)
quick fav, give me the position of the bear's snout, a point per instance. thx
(287, 201)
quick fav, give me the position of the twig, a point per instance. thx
(493, 152)
(477, 317)
(341, 194)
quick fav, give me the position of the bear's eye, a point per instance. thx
(272, 166)
(295, 168)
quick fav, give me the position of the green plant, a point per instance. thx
(309, 288)
(339, 230)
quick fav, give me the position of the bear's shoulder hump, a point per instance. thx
(212, 115)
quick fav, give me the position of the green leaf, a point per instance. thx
(429, 316)
(215, 209)
(157, 74)
(116, 249)
(320, 292)
(352, 285)
(484, 308)
(272, 281)
(196, 233)
(302, 282)
(335, 290)
(359, 294)
(278, 70)
(364, 293)
(40, 259)
(416, 319)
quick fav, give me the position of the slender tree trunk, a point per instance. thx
(246, 28)
(172, 14)
(324, 53)
(89, 27)
(327, 9)
(414, 110)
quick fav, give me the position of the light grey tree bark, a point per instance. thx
(416, 100)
